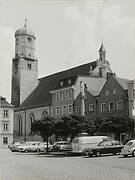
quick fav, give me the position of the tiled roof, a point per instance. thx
(95, 85)
(4, 103)
(41, 96)
(123, 82)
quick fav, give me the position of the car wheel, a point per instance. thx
(114, 153)
(26, 150)
(98, 154)
(38, 150)
(90, 155)
(125, 155)
(133, 153)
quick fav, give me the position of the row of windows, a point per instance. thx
(103, 106)
(90, 108)
(65, 109)
(69, 82)
(108, 91)
(64, 96)
(112, 105)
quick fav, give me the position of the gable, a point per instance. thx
(114, 83)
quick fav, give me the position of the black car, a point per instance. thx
(105, 147)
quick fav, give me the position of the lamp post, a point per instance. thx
(133, 112)
(24, 124)
(82, 98)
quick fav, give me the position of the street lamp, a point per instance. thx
(24, 124)
(133, 112)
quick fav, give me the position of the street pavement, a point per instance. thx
(34, 166)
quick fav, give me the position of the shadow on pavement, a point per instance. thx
(45, 154)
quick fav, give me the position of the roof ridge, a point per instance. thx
(67, 69)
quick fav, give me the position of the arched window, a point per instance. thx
(44, 113)
(32, 118)
(20, 125)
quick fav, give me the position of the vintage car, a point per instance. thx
(35, 147)
(43, 147)
(104, 147)
(28, 146)
(14, 146)
(129, 149)
(62, 146)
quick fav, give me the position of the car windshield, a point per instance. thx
(75, 141)
(105, 143)
(29, 144)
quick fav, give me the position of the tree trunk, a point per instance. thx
(47, 150)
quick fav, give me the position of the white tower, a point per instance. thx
(24, 66)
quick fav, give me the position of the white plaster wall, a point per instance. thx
(9, 132)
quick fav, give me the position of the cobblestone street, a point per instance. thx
(30, 166)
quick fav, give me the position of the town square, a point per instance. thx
(67, 90)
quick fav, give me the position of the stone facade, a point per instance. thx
(6, 123)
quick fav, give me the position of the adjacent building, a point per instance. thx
(6, 123)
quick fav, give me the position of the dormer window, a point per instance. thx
(29, 66)
(61, 83)
(69, 81)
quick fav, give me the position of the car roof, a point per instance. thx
(133, 140)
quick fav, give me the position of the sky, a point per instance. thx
(69, 33)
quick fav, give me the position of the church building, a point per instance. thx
(79, 90)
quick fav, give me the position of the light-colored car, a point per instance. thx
(79, 144)
(28, 146)
(43, 146)
(62, 146)
(129, 149)
(14, 146)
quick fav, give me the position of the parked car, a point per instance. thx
(28, 146)
(43, 146)
(83, 142)
(104, 147)
(14, 146)
(129, 149)
(62, 146)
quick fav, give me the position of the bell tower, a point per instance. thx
(24, 66)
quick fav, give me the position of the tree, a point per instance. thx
(44, 127)
(73, 125)
(116, 125)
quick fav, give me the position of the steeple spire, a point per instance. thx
(102, 48)
(102, 53)
(25, 23)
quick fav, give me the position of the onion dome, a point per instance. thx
(25, 31)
